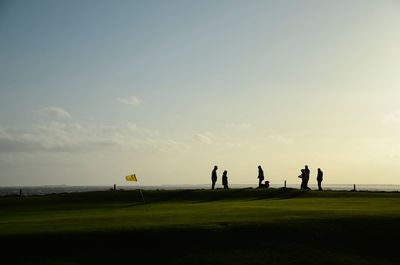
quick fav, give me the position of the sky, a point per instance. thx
(91, 91)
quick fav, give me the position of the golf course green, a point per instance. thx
(237, 226)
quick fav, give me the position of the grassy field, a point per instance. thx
(243, 226)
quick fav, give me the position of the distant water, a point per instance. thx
(43, 190)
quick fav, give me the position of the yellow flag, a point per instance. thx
(131, 178)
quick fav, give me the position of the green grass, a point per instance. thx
(244, 226)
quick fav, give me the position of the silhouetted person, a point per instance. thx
(307, 177)
(260, 176)
(225, 180)
(303, 180)
(320, 177)
(266, 184)
(214, 177)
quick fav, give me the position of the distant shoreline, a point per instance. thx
(56, 189)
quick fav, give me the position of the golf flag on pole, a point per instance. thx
(131, 177)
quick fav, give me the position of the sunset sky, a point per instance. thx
(93, 90)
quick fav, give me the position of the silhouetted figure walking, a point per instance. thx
(225, 180)
(320, 177)
(307, 177)
(214, 177)
(260, 176)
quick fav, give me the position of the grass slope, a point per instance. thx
(243, 226)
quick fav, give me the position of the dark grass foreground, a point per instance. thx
(245, 226)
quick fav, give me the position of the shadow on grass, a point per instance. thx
(341, 241)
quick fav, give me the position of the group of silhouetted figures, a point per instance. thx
(224, 178)
(305, 177)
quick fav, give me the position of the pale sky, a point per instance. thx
(93, 90)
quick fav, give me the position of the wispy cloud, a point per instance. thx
(242, 125)
(133, 101)
(202, 138)
(392, 117)
(55, 112)
(72, 138)
(280, 139)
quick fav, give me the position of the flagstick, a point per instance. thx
(141, 194)
(133, 177)
(144, 202)
(140, 191)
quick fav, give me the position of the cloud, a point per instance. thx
(72, 138)
(133, 101)
(393, 158)
(392, 117)
(243, 125)
(280, 139)
(202, 138)
(55, 112)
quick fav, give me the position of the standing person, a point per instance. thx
(225, 180)
(303, 179)
(307, 177)
(214, 177)
(320, 177)
(260, 176)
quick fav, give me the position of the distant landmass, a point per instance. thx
(50, 189)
